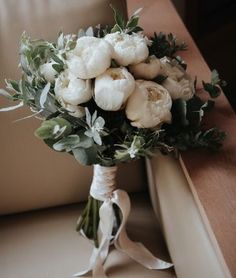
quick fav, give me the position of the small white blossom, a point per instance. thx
(95, 126)
(147, 69)
(112, 88)
(128, 49)
(149, 105)
(90, 57)
(130, 151)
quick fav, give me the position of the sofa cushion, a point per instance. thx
(44, 244)
(32, 175)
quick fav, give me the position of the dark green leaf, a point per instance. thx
(214, 91)
(58, 68)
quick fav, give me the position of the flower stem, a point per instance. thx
(89, 220)
(95, 222)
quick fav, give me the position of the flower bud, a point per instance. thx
(178, 83)
(148, 69)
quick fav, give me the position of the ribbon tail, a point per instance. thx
(135, 250)
(138, 252)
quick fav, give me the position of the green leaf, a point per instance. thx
(116, 28)
(85, 156)
(119, 19)
(47, 129)
(57, 67)
(133, 22)
(81, 156)
(213, 90)
(57, 59)
(85, 141)
(68, 143)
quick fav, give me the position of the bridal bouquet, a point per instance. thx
(109, 95)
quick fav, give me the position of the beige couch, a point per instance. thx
(42, 191)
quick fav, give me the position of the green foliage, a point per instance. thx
(165, 45)
(187, 130)
(129, 27)
(53, 129)
(214, 87)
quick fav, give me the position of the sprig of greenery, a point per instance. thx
(165, 45)
(214, 87)
(130, 26)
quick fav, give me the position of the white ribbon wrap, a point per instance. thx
(103, 189)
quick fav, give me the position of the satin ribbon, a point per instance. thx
(103, 189)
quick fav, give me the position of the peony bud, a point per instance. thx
(128, 49)
(112, 88)
(148, 69)
(183, 89)
(178, 83)
(171, 69)
(90, 57)
(149, 105)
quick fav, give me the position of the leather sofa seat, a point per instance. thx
(44, 244)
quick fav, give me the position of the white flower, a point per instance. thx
(171, 69)
(130, 151)
(178, 83)
(47, 71)
(90, 57)
(183, 88)
(95, 126)
(148, 69)
(128, 49)
(72, 90)
(149, 105)
(112, 88)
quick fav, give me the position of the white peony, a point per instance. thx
(112, 88)
(183, 89)
(47, 71)
(149, 105)
(128, 49)
(72, 90)
(90, 57)
(171, 69)
(179, 84)
(148, 69)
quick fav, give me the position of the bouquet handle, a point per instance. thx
(103, 189)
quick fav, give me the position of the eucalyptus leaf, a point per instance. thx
(86, 156)
(44, 94)
(68, 143)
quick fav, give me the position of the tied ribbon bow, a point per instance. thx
(103, 189)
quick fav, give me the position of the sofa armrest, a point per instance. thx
(213, 176)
